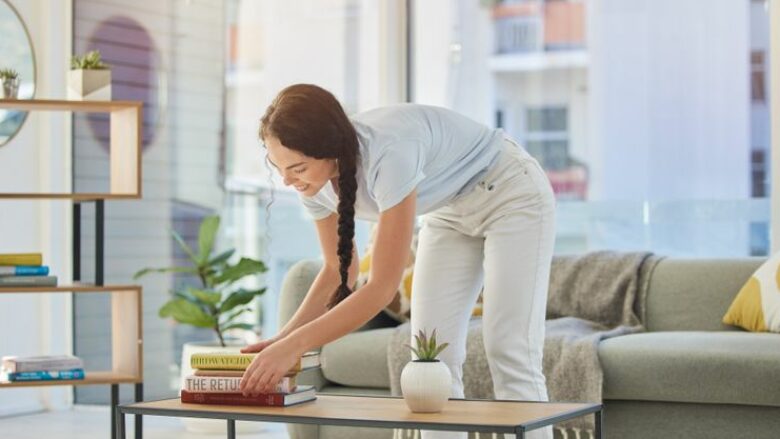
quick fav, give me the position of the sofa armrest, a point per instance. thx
(294, 288)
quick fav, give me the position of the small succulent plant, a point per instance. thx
(90, 61)
(8, 74)
(427, 349)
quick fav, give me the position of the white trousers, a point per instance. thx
(500, 235)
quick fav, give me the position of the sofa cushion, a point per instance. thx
(697, 367)
(757, 306)
(693, 294)
(358, 359)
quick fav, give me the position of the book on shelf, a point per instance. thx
(28, 281)
(12, 363)
(21, 259)
(301, 394)
(221, 361)
(24, 270)
(221, 384)
(43, 375)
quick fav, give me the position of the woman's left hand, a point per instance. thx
(269, 367)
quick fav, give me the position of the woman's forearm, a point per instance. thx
(352, 313)
(315, 302)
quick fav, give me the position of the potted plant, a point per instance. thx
(215, 302)
(10, 83)
(89, 78)
(426, 382)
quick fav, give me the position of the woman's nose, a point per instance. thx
(287, 179)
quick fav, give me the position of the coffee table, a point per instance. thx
(515, 417)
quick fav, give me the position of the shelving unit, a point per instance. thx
(126, 300)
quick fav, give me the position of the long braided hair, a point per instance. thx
(310, 120)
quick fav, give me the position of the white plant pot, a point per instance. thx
(10, 88)
(89, 85)
(426, 385)
(212, 426)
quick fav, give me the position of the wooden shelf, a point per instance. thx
(66, 196)
(73, 288)
(124, 149)
(126, 333)
(66, 105)
(89, 379)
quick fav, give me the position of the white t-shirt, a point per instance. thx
(402, 147)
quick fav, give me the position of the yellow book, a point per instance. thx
(21, 259)
(220, 361)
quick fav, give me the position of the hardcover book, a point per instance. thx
(21, 258)
(44, 375)
(220, 361)
(216, 384)
(24, 270)
(301, 394)
(28, 281)
(13, 364)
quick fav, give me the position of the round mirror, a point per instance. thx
(16, 59)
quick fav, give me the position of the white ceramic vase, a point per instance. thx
(89, 85)
(212, 426)
(426, 385)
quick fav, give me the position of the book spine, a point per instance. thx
(47, 375)
(227, 385)
(27, 281)
(21, 259)
(266, 400)
(24, 270)
(16, 366)
(230, 362)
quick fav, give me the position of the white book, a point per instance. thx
(221, 384)
(15, 364)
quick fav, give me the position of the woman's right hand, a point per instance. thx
(260, 345)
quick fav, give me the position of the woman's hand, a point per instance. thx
(260, 345)
(269, 367)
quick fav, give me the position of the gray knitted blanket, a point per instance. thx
(591, 298)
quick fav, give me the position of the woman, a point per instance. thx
(488, 215)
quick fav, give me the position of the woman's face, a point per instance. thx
(306, 174)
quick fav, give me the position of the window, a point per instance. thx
(758, 76)
(648, 134)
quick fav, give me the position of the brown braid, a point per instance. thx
(310, 120)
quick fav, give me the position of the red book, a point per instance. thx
(301, 394)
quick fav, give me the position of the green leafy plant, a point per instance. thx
(90, 61)
(8, 74)
(427, 349)
(216, 303)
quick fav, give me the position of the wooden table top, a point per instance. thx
(381, 411)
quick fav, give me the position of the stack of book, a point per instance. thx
(24, 270)
(217, 378)
(42, 368)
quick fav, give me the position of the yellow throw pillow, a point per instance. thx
(757, 305)
(400, 308)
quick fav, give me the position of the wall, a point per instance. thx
(38, 159)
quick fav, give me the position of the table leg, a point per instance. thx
(231, 424)
(520, 433)
(120, 425)
(599, 423)
(139, 423)
(114, 403)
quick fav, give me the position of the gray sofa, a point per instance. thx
(689, 376)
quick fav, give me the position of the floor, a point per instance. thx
(92, 422)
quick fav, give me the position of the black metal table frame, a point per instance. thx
(519, 431)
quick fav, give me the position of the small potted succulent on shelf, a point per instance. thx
(426, 382)
(89, 78)
(10, 83)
